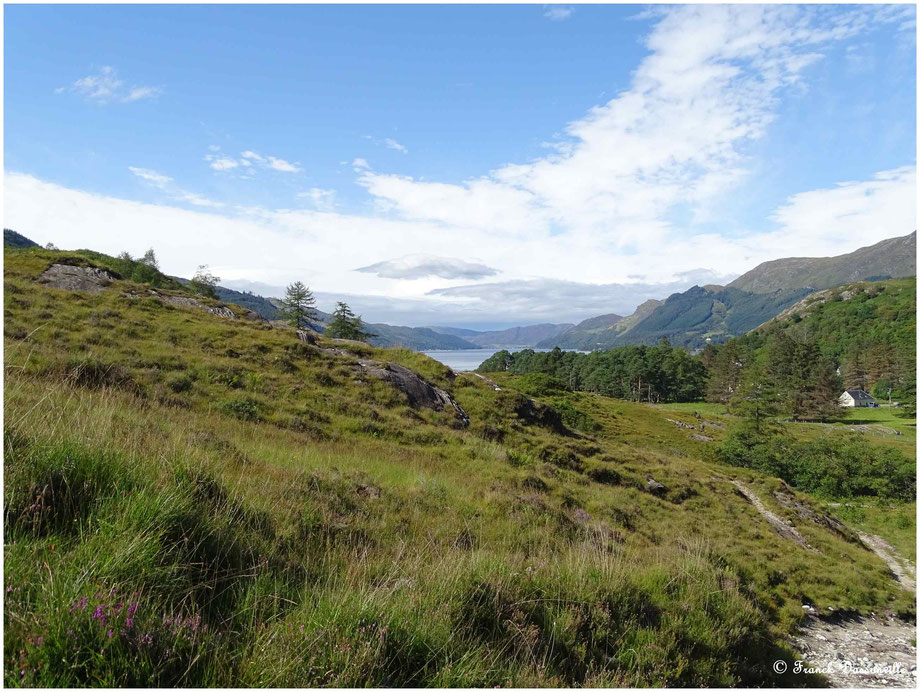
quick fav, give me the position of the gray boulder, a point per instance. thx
(418, 390)
(654, 487)
(72, 278)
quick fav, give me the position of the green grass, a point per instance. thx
(703, 407)
(271, 517)
(883, 416)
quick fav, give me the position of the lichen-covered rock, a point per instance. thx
(418, 390)
(72, 278)
(307, 336)
(219, 310)
(654, 487)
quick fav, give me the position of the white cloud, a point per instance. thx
(249, 159)
(393, 144)
(677, 136)
(323, 200)
(105, 86)
(421, 266)
(561, 278)
(866, 211)
(157, 179)
(557, 13)
(282, 165)
(139, 93)
(222, 163)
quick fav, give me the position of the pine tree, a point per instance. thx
(346, 325)
(299, 306)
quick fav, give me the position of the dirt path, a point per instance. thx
(860, 652)
(855, 651)
(782, 528)
(903, 571)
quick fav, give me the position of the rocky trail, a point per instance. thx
(850, 651)
(860, 652)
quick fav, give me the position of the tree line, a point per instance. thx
(654, 374)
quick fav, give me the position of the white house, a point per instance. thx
(857, 398)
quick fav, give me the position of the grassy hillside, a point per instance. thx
(195, 500)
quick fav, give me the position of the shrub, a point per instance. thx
(835, 468)
(244, 408)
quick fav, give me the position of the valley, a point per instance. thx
(198, 497)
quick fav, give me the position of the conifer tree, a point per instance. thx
(298, 306)
(346, 325)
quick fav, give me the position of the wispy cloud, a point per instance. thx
(222, 163)
(677, 136)
(281, 165)
(249, 159)
(150, 176)
(393, 144)
(166, 184)
(557, 13)
(106, 87)
(420, 266)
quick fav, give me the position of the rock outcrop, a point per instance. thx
(73, 278)
(418, 390)
(219, 310)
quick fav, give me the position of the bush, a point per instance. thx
(836, 468)
(245, 408)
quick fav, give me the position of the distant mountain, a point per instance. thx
(706, 314)
(525, 337)
(890, 259)
(416, 338)
(711, 313)
(585, 335)
(13, 239)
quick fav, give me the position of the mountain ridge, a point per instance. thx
(706, 314)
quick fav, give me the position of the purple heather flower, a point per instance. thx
(128, 623)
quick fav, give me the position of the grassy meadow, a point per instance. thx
(198, 501)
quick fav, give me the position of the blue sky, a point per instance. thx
(471, 165)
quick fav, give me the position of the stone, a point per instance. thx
(417, 389)
(653, 486)
(72, 278)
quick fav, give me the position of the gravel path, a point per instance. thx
(860, 652)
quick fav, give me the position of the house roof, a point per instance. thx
(859, 394)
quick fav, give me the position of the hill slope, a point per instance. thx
(198, 499)
(869, 329)
(890, 259)
(16, 240)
